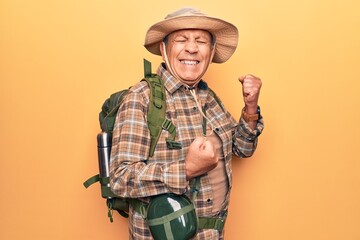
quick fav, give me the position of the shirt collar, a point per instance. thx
(172, 84)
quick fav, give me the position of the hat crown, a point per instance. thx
(188, 11)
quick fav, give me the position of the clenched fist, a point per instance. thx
(251, 90)
(201, 158)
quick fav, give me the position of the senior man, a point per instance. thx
(207, 136)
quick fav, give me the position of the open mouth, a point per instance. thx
(189, 62)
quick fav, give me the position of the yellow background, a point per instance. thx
(60, 59)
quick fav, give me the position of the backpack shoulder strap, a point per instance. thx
(156, 116)
(217, 99)
(156, 111)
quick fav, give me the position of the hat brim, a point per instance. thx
(225, 33)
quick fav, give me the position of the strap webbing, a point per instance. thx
(195, 189)
(156, 115)
(217, 99)
(212, 222)
(168, 231)
(106, 192)
(156, 111)
(171, 216)
(138, 206)
(91, 180)
(170, 127)
(147, 68)
(216, 223)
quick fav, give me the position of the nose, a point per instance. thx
(191, 47)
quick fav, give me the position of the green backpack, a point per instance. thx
(156, 123)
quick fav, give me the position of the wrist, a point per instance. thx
(251, 114)
(251, 109)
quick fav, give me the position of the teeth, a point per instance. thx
(188, 62)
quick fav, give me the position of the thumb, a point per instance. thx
(241, 79)
(208, 145)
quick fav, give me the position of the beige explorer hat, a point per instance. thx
(226, 34)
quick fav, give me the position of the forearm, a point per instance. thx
(245, 138)
(140, 179)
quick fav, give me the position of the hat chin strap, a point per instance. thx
(177, 76)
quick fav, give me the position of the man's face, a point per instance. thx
(189, 53)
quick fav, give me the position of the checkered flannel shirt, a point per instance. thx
(134, 175)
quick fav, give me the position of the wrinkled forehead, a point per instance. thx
(188, 32)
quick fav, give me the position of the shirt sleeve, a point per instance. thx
(131, 174)
(245, 139)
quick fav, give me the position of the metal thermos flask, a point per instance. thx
(104, 149)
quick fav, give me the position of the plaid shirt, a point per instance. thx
(134, 175)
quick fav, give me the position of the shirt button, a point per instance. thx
(194, 108)
(209, 200)
(217, 129)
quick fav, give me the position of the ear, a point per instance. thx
(213, 52)
(162, 50)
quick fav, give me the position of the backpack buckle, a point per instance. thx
(171, 144)
(168, 126)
